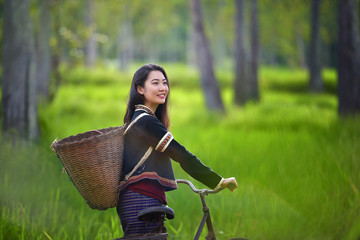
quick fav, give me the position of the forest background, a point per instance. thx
(293, 151)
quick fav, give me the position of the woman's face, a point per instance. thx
(155, 90)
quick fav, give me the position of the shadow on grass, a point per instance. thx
(300, 86)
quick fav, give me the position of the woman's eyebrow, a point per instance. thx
(157, 79)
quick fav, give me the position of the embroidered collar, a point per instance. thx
(143, 107)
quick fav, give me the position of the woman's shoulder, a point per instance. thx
(147, 120)
(145, 116)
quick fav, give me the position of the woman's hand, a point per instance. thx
(230, 183)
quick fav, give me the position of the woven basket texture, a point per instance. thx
(93, 161)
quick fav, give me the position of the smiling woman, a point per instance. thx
(145, 186)
(155, 90)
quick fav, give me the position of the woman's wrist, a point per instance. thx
(219, 184)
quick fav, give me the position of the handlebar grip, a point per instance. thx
(231, 186)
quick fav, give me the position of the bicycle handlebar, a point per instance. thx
(199, 191)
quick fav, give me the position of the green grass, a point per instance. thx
(296, 162)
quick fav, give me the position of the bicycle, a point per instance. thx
(159, 215)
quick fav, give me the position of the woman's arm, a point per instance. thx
(154, 132)
(192, 165)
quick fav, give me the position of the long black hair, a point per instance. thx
(135, 97)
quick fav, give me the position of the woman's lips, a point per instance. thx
(162, 95)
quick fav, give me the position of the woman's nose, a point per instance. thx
(163, 87)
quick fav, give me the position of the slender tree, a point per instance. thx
(254, 56)
(348, 58)
(316, 82)
(246, 71)
(125, 44)
(43, 50)
(91, 44)
(125, 39)
(19, 111)
(57, 49)
(204, 60)
(190, 48)
(241, 86)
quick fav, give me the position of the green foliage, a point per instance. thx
(295, 161)
(160, 30)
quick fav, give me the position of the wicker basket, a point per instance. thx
(93, 161)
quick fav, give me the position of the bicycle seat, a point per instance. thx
(152, 213)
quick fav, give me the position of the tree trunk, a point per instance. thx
(91, 45)
(125, 40)
(204, 60)
(190, 48)
(301, 50)
(19, 105)
(254, 56)
(348, 58)
(43, 50)
(316, 82)
(125, 45)
(57, 51)
(241, 86)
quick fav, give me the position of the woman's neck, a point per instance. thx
(146, 108)
(151, 107)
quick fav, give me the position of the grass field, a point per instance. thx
(297, 163)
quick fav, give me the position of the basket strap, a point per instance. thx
(147, 153)
(52, 145)
(134, 121)
(142, 160)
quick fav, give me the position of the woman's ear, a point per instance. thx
(140, 90)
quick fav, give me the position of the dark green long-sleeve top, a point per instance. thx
(149, 131)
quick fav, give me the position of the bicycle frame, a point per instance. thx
(206, 218)
(206, 211)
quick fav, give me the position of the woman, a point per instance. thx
(146, 187)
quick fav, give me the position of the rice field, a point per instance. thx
(297, 163)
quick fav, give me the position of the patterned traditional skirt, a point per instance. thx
(129, 205)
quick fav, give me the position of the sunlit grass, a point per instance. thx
(296, 162)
